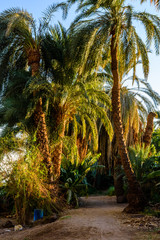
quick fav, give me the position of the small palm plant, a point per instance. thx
(146, 165)
(74, 174)
(139, 157)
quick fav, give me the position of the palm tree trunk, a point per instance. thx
(118, 181)
(33, 56)
(42, 137)
(82, 146)
(57, 152)
(117, 174)
(104, 147)
(149, 129)
(39, 115)
(135, 196)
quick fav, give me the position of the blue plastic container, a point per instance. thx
(38, 214)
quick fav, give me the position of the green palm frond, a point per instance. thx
(95, 24)
(48, 14)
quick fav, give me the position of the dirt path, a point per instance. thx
(99, 219)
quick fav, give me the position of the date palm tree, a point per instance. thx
(70, 97)
(137, 101)
(109, 27)
(20, 42)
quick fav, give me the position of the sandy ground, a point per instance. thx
(99, 219)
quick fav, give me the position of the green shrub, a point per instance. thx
(24, 177)
(27, 184)
(111, 191)
(73, 176)
(146, 165)
(156, 139)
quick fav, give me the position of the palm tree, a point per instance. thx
(110, 30)
(136, 102)
(69, 96)
(21, 47)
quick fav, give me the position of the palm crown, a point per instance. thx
(105, 18)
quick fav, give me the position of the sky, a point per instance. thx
(37, 7)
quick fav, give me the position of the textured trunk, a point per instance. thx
(118, 181)
(135, 137)
(82, 147)
(39, 116)
(104, 147)
(34, 60)
(41, 135)
(118, 174)
(57, 152)
(135, 196)
(149, 129)
(130, 139)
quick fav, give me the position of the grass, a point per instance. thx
(64, 217)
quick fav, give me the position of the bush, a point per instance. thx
(111, 191)
(74, 176)
(24, 178)
(27, 183)
(146, 165)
